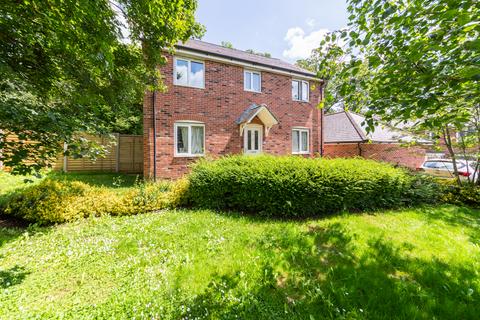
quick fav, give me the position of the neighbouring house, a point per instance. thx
(346, 136)
(225, 101)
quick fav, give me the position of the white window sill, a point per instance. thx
(254, 91)
(187, 86)
(186, 155)
(300, 100)
(302, 152)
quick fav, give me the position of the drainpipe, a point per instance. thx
(321, 132)
(359, 149)
(154, 96)
(321, 120)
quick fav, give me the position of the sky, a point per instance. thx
(288, 30)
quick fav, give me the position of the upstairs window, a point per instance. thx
(189, 139)
(300, 141)
(189, 73)
(300, 90)
(252, 81)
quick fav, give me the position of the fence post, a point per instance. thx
(65, 160)
(117, 158)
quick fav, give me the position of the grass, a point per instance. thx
(407, 264)
(10, 182)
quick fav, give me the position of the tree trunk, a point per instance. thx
(448, 143)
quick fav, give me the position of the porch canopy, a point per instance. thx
(262, 112)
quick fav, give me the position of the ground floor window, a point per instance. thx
(300, 141)
(189, 139)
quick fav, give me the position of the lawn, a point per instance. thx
(10, 182)
(414, 263)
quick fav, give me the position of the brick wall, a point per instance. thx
(218, 105)
(411, 157)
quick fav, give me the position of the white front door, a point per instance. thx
(253, 137)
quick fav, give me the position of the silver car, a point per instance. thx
(444, 168)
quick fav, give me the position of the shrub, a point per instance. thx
(468, 195)
(295, 186)
(423, 189)
(53, 201)
(179, 193)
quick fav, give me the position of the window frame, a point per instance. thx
(189, 67)
(251, 80)
(188, 124)
(300, 83)
(300, 130)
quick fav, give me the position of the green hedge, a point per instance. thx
(56, 201)
(295, 186)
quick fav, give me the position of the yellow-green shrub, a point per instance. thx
(467, 194)
(54, 201)
(178, 195)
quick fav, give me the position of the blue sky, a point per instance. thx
(286, 29)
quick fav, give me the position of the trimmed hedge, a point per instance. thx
(296, 186)
(53, 201)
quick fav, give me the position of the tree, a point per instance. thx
(262, 54)
(227, 44)
(328, 62)
(422, 59)
(67, 67)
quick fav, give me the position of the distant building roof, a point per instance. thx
(242, 56)
(344, 126)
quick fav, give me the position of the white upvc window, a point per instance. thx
(252, 81)
(189, 139)
(300, 90)
(189, 73)
(300, 141)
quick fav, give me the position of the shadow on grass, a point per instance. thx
(320, 274)
(462, 217)
(12, 277)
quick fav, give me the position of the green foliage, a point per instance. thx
(396, 62)
(465, 195)
(262, 54)
(227, 44)
(67, 68)
(418, 263)
(58, 201)
(423, 189)
(295, 186)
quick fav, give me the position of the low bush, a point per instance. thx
(295, 186)
(58, 201)
(466, 195)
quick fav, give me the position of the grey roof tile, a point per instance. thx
(346, 126)
(339, 128)
(235, 54)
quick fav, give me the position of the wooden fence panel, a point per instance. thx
(123, 154)
(130, 153)
(101, 164)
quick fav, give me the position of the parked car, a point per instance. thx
(444, 168)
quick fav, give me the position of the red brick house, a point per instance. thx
(346, 136)
(225, 101)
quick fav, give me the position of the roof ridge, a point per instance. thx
(357, 128)
(236, 49)
(200, 46)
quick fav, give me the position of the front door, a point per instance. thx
(253, 137)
